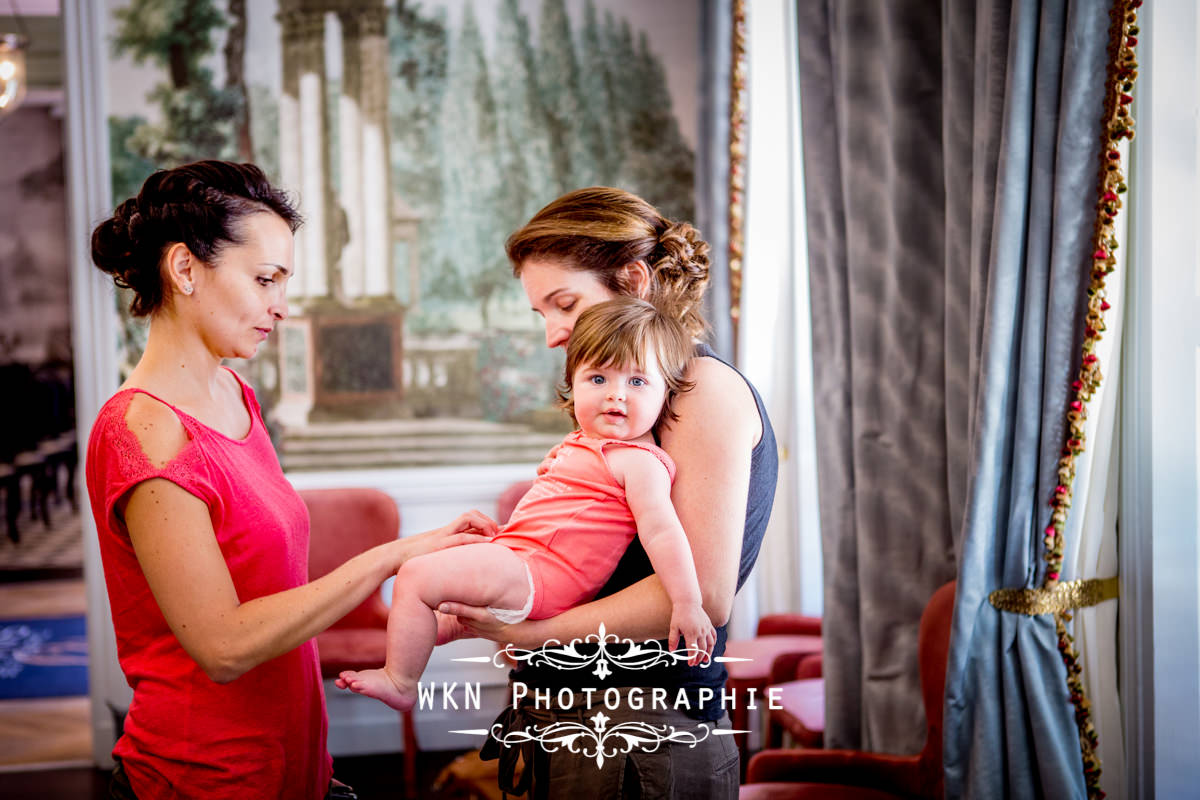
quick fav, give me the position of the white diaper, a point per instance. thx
(511, 616)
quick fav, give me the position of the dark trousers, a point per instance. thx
(645, 766)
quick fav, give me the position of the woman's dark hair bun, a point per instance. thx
(200, 205)
(114, 250)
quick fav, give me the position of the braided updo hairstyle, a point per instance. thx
(601, 230)
(200, 205)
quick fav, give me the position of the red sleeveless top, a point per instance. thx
(185, 736)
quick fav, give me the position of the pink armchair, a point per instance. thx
(344, 523)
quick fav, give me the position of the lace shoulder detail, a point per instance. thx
(129, 463)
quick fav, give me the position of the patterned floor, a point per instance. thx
(51, 732)
(59, 547)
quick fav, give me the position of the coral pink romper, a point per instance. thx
(573, 525)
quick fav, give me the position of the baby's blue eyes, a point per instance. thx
(598, 380)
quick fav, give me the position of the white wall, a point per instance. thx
(775, 346)
(1160, 567)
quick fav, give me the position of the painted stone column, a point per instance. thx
(377, 168)
(304, 147)
(350, 158)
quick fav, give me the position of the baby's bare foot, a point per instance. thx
(379, 683)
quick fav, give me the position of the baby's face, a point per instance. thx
(618, 401)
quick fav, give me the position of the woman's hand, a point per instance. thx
(473, 527)
(480, 623)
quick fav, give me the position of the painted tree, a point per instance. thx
(235, 80)
(527, 177)
(659, 165)
(595, 86)
(129, 170)
(620, 68)
(568, 121)
(197, 117)
(418, 48)
(469, 256)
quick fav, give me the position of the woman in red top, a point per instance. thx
(204, 541)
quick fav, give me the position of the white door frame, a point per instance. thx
(1159, 564)
(93, 322)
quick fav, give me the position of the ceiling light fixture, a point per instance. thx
(13, 78)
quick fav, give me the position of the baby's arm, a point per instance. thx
(648, 492)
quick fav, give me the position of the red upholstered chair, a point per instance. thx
(344, 523)
(802, 701)
(779, 643)
(804, 773)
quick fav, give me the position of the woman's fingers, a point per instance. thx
(466, 537)
(477, 520)
(476, 621)
(465, 612)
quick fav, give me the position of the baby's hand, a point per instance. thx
(691, 627)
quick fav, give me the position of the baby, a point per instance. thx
(601, 486)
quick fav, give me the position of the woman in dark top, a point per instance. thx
(586, 247)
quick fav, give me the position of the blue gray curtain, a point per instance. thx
(951, 160)
(871, 106)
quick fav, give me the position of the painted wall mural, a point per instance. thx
(416, 135)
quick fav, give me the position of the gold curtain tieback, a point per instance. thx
(1063, 597)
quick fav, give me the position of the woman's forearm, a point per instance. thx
(179, 555)
(236, 639)
(639, 612)
(267, 627)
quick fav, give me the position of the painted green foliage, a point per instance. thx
(198, 117)
(481, 136)
(544, 113)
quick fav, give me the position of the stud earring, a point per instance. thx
(187, 288)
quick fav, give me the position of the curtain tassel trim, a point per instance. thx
(737, 162)
(1055, 597)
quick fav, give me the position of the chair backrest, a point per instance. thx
(509, 499)
(933, 647)
(342, 524)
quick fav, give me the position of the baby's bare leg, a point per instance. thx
(476, 574)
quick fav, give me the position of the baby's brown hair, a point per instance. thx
(624, 331)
